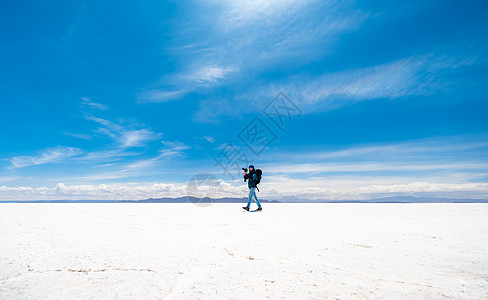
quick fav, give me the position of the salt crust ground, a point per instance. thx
(288, 251)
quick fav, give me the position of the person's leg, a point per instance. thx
(251, 190)
(256, 198)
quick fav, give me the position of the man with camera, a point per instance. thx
(252, 181)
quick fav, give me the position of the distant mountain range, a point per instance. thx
(396, 199)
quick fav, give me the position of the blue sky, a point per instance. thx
(126, 100)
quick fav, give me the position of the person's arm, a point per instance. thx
(246, 176)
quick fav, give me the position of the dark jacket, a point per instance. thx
(251, 178)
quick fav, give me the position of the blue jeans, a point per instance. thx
(252, 192)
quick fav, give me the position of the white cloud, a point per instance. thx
(416, 75)
(417, 187)
(452, 167)
(455, 160)
(108, 128)
(255, 34)
(161, 95)
(311, 168)
(49, 155)
(99, 192)
(429, 148)
(209, 139)
(187, 82)
(136, 138)
(238, 39)
(390, 80)
(78, 135)
(8, 178)
(212, 74)
(116, 191)
(272, 190)
(145, 166)
(432, 154)
(173, 148)
(125, 136)
(367, 187)
(234, 14)
(88, 102)
(106, 155)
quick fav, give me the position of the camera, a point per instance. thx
(244, 169)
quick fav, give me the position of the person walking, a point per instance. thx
(252, 181)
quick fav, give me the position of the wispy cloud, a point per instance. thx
(155, 95)
(368, 188)
(8, 178)
(108, 128)
(389, 80)
(209, 139)
(455, 158)
(134, 168)
(170, 150)
(125, 136)
(173, 148)
(453, 166)
(238, 13)
(82, 136)
(418, 187)
(49, 155)
(414, 75)
(88, 102)
(136, 138)
(106, 156)
(211, 74)
(241, 38)
(460, 147)
(449, 167)
(191, 80)
(357, 167)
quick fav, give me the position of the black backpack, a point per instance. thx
(259, 173)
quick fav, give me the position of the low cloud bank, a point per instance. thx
(139, 191)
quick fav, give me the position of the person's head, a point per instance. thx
(251, 167)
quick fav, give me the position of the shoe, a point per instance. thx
(259, 208)
(246, 208)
